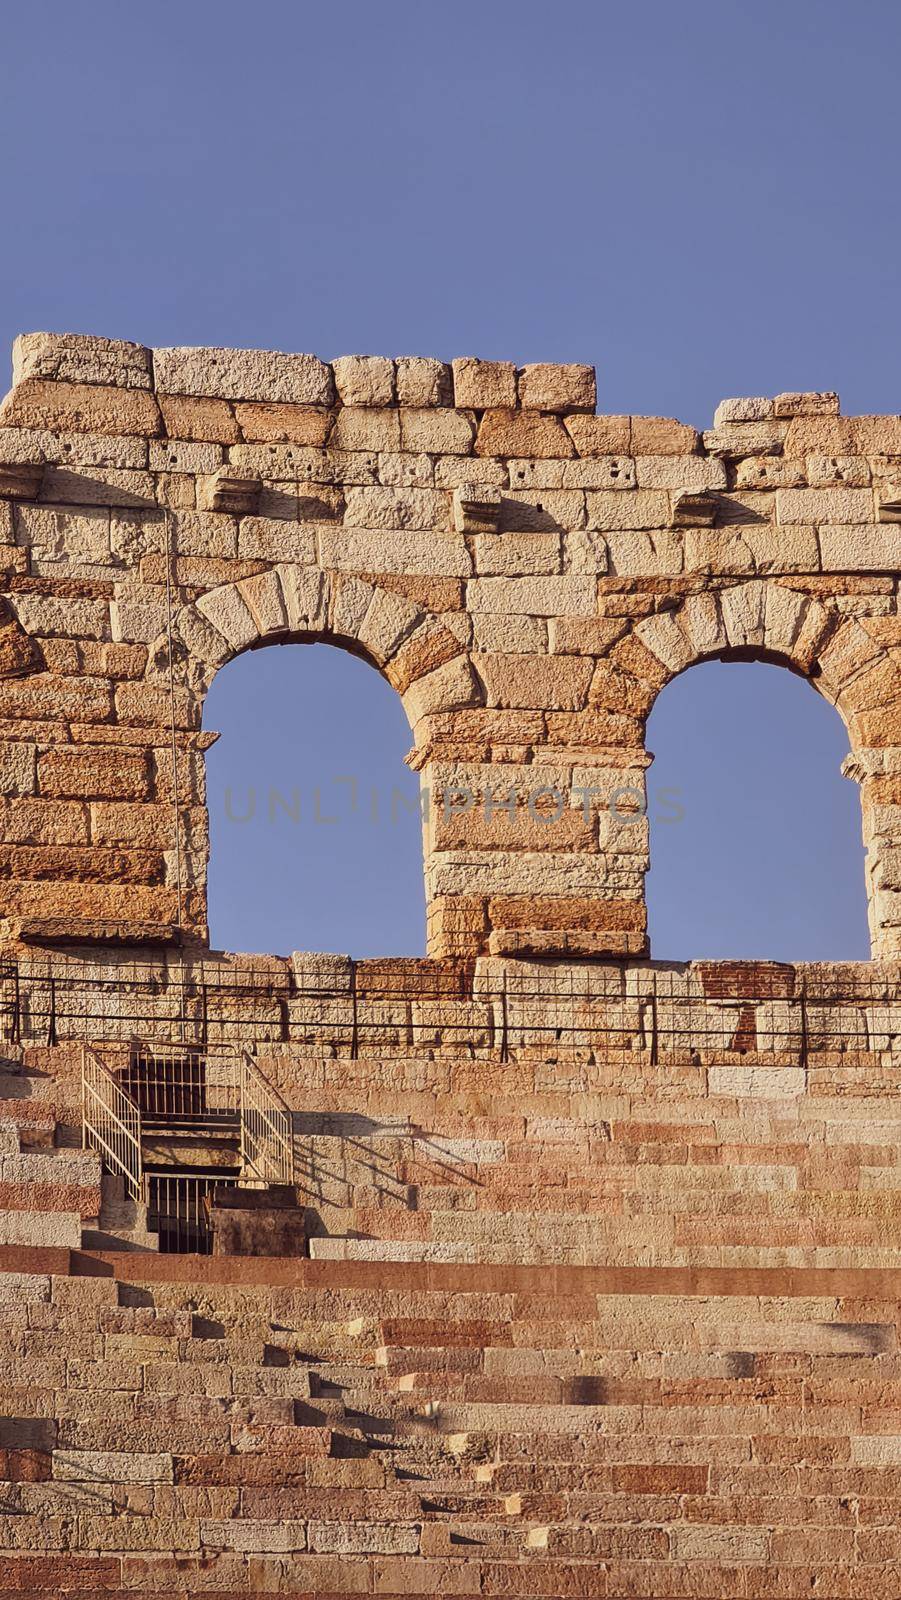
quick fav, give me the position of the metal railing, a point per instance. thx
(267, 1136)
(179, 1088)
(171, 1089)
(178, 1209)
(111, 1123)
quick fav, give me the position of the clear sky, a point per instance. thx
(701, 200)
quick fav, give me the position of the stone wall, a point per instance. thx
(526, 573)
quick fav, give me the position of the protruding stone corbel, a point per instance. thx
(889, 502)
(230, 490)
(694, 508)
(21, 480)
(477, 509)
(852, 767)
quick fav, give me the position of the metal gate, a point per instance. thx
(111, 1123)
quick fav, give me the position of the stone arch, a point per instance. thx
(846, 659)
(422, 658)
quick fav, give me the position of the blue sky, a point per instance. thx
(700, 200)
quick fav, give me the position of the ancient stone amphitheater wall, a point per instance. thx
(526, 573)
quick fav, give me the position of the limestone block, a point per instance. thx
(231, 490)
(536, 474)
(430, 646)
(483, 384)
(351, 599)
(244, 375)
(694, 508)
(558, 682)
(389, 619)
(584, 551)
(138, 615)
(18, 768)
(73, 449)
(46, 615)
(875, 436)
(517, 554)
(282, 423)
(661, 436)
(264, 600)
(811, 404)
(824, 505)
(542, 510)
(599, 472)
(111, 1466)
(101, 772)
(746, 439)
(594, 637)
(852, 472)
(770, 472)
(448, 687)
(679, 472)
(761, 1083)
(864, 548)
(600, 436)
(422, 381)
(80, 408)
(546, 387)
(306, 593)
(271, 539)
(750, 549)
(203, 533)
(743, 609)
(516, 872)
(522, 433)
(366, 428)
(404, 470)
(380, 507)
(364, 380)
(81, 358)
(476, 509)
(662, 635)
(573, 596)
(65, 536)
(455, 472)
(229, 614)
(784, 614)
(179, 455)
(643, 509)
(415, 551)
(199, 418)
(644, 554)
(522, 635)
(754, 408)
(439, 430)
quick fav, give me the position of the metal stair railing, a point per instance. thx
(111, 1123)
(267, 1136)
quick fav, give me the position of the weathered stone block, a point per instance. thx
(244, 375)
(80, 408)
(422, 381)
(364, 380)
(483, 384)
(521, 433)
(545, 387)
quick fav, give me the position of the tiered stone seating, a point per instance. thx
(244, 1426)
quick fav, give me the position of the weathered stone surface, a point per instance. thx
(545, 387)
(422, 381)
(481, 384)
(364, 380)
(81, 358)
(440, 430)
(244, 375)
(80, 408)
(521, 433)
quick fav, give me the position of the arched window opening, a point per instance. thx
(315, 831)
(755, 836)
